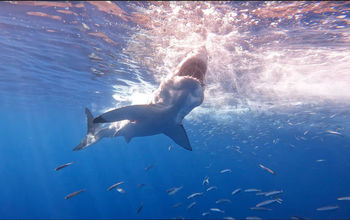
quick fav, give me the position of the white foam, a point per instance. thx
(246, 70)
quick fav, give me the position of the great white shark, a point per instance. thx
(176, 97)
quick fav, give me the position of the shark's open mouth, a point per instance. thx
(195, 68)
(194, 65)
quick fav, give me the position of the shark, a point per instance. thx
(176, 97)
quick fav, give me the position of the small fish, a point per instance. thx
(267, 169)
(253, 218)
(267, 202)
(141, 185)
(252, 190)
(140, 208)
(169, 148)
(194, 195)
(222, 200)
(236, 191)
(206, 180)
(148, 168)
(205, 213)
(327, 208)
(260, 209)
(320, 160)
(226, 171)
(177, 205)
(122, 191)
(334, 132)
(115, 185)
(344, 198)
(93, 56)
(74, 194)
(63, 166)
(229, 218)
(279, 200)
(216, 210)
(85, 26)
(211, 188)
(173, 190)
(96, 71)
(306, 132)
(272, 193)
(191, 205)
(297, 218)
(275, 141)
(314, 137)
(209, 165)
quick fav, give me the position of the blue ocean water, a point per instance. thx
(277, 94)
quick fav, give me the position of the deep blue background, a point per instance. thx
(46, 83)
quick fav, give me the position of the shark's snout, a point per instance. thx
(195, 65)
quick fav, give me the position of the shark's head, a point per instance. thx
(194, 65)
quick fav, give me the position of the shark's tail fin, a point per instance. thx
(89, 120)
(90, 131)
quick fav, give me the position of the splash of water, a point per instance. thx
(255, 61)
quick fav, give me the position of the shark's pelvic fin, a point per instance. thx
(179, 136)
(132, 113)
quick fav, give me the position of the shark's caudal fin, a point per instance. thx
(179, 136)
(89, 119)
(131, 112)
(90, 130)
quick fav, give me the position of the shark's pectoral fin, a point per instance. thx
(178, 134)
(132, 113)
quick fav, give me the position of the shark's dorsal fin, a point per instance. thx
(179, 136)
(89, 119)
(132, 113)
